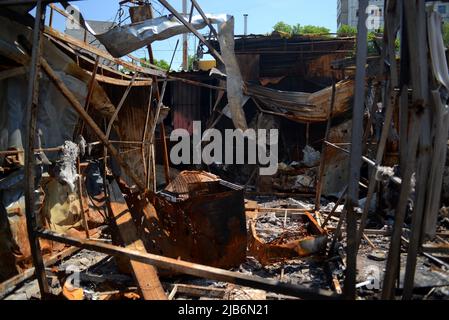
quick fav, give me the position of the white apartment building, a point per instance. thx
(347, 11)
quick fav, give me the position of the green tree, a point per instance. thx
(283, 27)
(190, 61)
(144, 62)
(309, 29)
(297, 29)
(346, 31)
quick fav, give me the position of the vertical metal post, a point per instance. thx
(50, 23)
(31, 121)
(319, 181)
(185, 45)
(356, 153)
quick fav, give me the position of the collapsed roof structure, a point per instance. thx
(84, 158)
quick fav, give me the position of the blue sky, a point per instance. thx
(263, 15)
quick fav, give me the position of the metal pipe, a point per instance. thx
(245, 18)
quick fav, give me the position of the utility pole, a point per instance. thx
(185, 45)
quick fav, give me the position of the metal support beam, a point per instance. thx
(30, 161)
(356, 153)
(319, 182)
(203, 15)
(189, 26)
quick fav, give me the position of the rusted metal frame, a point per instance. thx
(355, 160)
(119, 142)
(390, 35)
(201, 12)
(90, 122)
(36, 151)
(72, 49)
(30, 161)
(165, 153)
(153, 166)
(103, 54)
(318, 184)
(415, 18)
(90, 90)
(161, 98)
(185, 44)
(120, 105)
(151, 158)
(145, 274)
(113, 118)
(80, 195)
(122, 82)
(162, 128)
(147, 119)
(189, 26)
(50, 22)
(156, 119)
(194, 269)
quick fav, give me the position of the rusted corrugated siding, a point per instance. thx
(131, 120)
(186, 105)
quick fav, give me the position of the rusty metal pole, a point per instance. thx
(50, 23)
(165, 153)
(185, 44)
(30, 163)
(355, 161)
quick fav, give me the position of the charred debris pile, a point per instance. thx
(92, 205)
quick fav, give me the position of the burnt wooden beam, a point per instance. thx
(145, 274)
(195, 269)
